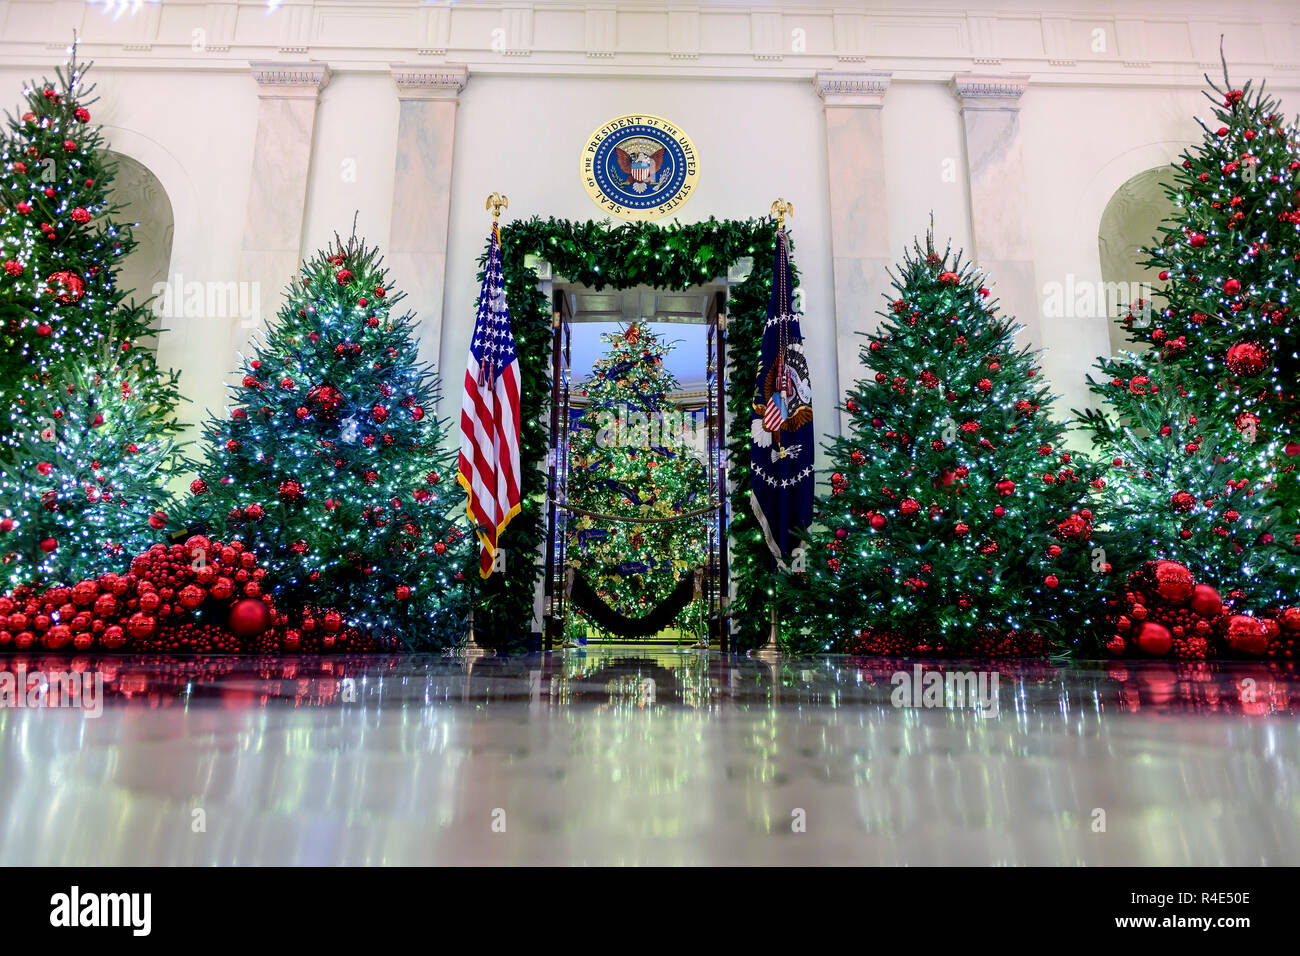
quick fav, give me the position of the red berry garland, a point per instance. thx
(198, 597)
(1165, 611)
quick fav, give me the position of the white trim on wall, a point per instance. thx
(1094, 42)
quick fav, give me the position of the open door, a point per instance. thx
(555, 611)
(718, 571)
(704, 397)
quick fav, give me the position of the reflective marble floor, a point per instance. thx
(632, 756)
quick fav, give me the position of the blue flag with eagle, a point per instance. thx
(781, 430)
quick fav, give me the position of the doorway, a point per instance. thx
(637, 511)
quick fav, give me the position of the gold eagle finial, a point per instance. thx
(496, 202)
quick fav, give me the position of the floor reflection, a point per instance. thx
(633, 755)
(622, 676)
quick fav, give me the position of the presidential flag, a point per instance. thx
(781, 429)
(489, 414)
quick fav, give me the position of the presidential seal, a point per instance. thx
(639, 167)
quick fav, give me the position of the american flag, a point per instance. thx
(774, 413)
(489, 414)
(781, 447)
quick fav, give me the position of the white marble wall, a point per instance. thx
(422, 187)
(1000, 217)
(276, 208)
(859, 213)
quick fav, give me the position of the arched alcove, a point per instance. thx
(1130, 222)
(144, 203)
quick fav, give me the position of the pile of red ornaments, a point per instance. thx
(986, 642)
(198, 597)
(1166, 612)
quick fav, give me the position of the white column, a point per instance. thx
(999, 197)
(277, 193)
(859, 217)
(417, 244)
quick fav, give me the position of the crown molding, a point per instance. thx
(289, 80)
(1090, 44)
(989, 91)
(416, 82)
(844, 88)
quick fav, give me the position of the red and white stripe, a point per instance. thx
(489, 454)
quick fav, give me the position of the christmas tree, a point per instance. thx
(956, 521)
(61, 247)
(1201, 419)
(1224, 325)
(86, 417)
(635, 455)
(331, 465)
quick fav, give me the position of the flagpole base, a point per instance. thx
(472, 649)
(770, 652)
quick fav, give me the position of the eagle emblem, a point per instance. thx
(640, 162)
(784, 398)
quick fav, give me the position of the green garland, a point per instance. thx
(599, 254)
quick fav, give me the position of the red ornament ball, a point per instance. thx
(191, 596)
(1154, 639)
(1245, 635)
(68, 287)
(1173, 581)
(1206, 601)
(249, 618)
(141, 625)
(1246, 358)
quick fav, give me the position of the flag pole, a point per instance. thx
(771, 651)
(471, 648)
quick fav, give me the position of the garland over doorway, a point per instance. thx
(672, 257)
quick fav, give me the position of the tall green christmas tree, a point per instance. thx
(1202, 419)
(86, 417)
(957, 521)
(331, 463)
(635, 455)
(1224, 323)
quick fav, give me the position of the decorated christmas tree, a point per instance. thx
(1201, 420)
(61, 249)
(86, 417)
(635, 455)
(1224, 322)
(957, 522)
(331, 463)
